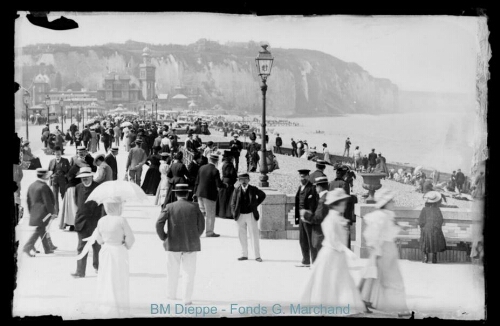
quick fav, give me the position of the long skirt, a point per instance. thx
(161, 192)
(223, 204)
(113, 282)
(93, 145)
(330, 283)
(151, 180)
(68, 210)
(385, 289)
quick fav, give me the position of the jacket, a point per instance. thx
(88, 214)
(136, 156)
(40, 200)
(104, 173)
(208, 182)
(316, 174)
(110, 160)
(310, 203)
(63, 167)
(185, 225)
(257, 196)
(316, 218)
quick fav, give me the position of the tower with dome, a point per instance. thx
(147, 75)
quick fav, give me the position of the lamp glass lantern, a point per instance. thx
(264, 62)
(47, 100)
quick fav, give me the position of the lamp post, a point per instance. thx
(26, 104)
(47, 102)
(264, 62)
(71, 103)
(155, 101)
(61, 102)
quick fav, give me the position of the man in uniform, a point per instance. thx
(306, 199)
(316, 218)
(236, 146)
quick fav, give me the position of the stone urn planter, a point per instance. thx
(371, 182)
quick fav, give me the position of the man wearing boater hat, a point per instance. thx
(236, 147)
(40, 200)
(86, 218)
(110, 160)
(244, 202)
(207, 185)
(180, 226)
(320, 171)
(306, 200)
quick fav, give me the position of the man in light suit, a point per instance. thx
(40, 200)
(206, 187)
(244, 202)
(110, 160)
(181, 239)
(118, 134)
(104, 172)
(136, 159)
(59, 167)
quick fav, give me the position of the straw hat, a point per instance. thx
(383, 196)
(43, 174)
(321, 180)
(432, 197)
(181, 187)
(243, 176)
(85, 172)
(335, 195)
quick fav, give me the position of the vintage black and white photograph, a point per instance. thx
(209, 165)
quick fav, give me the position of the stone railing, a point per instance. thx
(277, 221)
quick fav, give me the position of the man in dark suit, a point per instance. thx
(86, 218)
(279, 143)
(306, 200)
(136, 159)
(244, 202)
(372, 160)
(86, 136)
(316, 218)
(181, 239)
(82, 153)
(460, 180)
(206, 188)
(40, 200)
(236, 147)
(193, 168)
(59, 167)
(320, 166)
(110, 159)
(294, 149)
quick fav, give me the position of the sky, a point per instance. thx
(418, 53)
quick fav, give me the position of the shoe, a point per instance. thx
(213, 235)
(434, 258)
(259, 259)
(96, 270)
(49, 252)
(71, 228)
(303, 265)
(29, 253)
(425, 258)
(243, 258)
(76, 275)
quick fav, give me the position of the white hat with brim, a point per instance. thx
(432, 197)
(335, 195)
(85, 172)
(383, 196)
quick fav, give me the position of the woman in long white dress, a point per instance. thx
(382, 285)
(115, 236)
(126, 140)
(330, 282)
(161, 192)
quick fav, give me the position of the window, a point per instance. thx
(117, 94)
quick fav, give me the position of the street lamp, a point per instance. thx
(61, 102)
(71, 103)
(155, 101)
(26, 104)
(47, 102)
(264, 62)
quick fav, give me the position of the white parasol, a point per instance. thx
(126, 191)
(125, 124)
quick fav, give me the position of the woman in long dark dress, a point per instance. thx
(430, 221)
(153, 175)
(177, 173)
(229, 176)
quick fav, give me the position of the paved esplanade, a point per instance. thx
(45, 287)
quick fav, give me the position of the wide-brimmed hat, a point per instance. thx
(432, 197)
(335, 195)
(321, 180)
(43, 174)
(85, 172)
(235, 135)
(214, 157)
(243, 176)
(181, 187)
(81, 148)
(383, 196)
(320, 164)
(210, 143)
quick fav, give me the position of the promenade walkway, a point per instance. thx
(45, 287)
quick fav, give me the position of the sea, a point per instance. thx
(437, 140)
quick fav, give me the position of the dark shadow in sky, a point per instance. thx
(39, 18)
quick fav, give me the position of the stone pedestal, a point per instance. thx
(272, 215)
